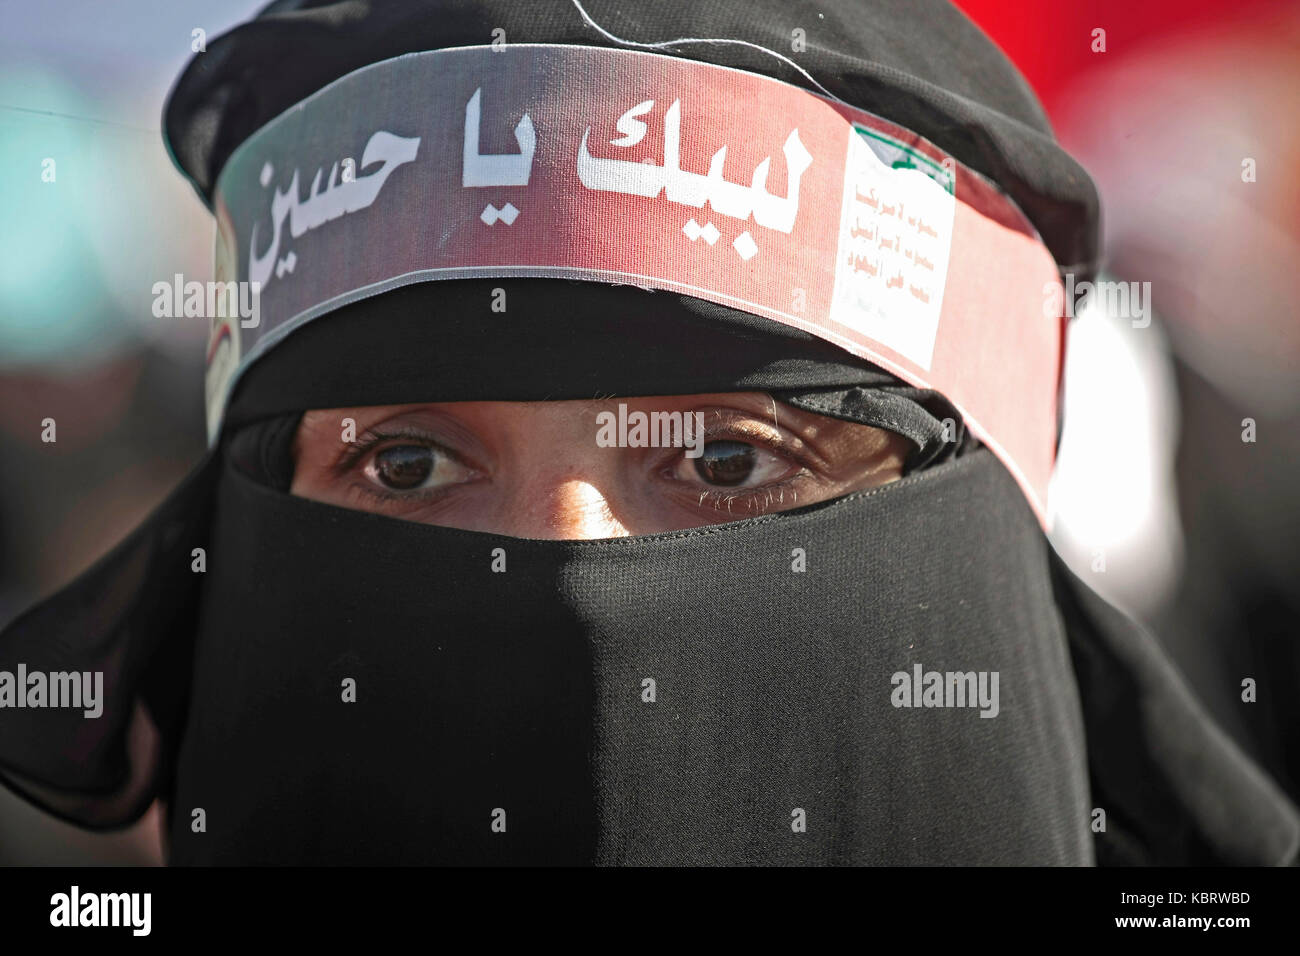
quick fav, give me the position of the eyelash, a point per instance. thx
(371, 440)
(720, 499)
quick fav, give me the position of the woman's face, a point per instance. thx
(558, 470)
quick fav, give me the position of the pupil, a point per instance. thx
(403, 467)
(725, 462)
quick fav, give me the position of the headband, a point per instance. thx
(626, 167)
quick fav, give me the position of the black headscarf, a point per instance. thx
(689, 697)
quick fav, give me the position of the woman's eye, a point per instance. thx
(733, 464)
(413, 468)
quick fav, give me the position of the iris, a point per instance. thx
(726, 462)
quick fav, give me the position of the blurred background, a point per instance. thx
(1160, 503)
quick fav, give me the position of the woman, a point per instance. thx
(439, 595)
